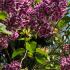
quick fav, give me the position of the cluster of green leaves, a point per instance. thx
(32, 52)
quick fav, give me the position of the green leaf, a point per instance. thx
(41, 56)
(37, 1)
(28, 47)
(3, 15)
(30, 54)
(69, 4)
(38, 50)
(63, 22)
(21, 38)
(67, 19)
(18, 52)
(2, 26)
(31, 46)
(3, 29)
(7, 32)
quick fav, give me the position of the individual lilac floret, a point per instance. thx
(15, 65)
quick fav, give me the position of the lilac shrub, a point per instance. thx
(22, 14)
(39, 17)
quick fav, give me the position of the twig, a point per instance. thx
(23, 58)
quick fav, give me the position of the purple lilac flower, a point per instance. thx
(45, 30)
(1, 1)
(44, 12)
(17, 16)
(55, 9)
(14, 36)
(42, 28)
(65, 63)
(15, 65)
(39, 22)
(66, 47)
(3, 42)
(21, 14)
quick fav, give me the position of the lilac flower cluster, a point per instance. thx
(65, 60)
(17, 17)
(41, 26)
(24, 13)
(65, 63)
(3, 42)
(40, 22)
(15, 65)
(17, 13)
(66, 47)
(55, 8)
(44, 12)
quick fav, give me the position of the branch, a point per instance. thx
(23, 58)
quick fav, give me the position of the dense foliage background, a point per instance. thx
(34, 35)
